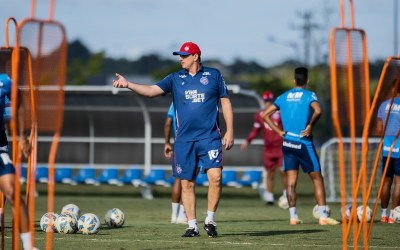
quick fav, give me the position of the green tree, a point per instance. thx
(82, 64)
(81, 70)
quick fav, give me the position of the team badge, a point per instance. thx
(204, 80)
(178, 169)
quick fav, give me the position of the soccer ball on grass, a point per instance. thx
(114, 218)
(47, 222)
(396, 214)
(316, 213)
(89, 224)
(66, 224)
(368, 213)
(283, 202)
(347, 211)
(71, 209)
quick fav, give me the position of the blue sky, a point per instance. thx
(259, 30)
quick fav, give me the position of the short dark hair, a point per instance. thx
(301, 76)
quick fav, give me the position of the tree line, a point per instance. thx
(95, 68)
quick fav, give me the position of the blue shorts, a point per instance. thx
(174, 169)
(188, 156)
(302, 153)
(393, 168)
(6, 166)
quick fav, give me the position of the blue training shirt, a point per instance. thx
(196, 99)
(393, 126)
(5, 92)
(5, 109)
(296, 111)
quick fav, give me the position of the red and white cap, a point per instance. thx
(188, 48)
(268, 96)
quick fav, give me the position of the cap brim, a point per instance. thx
(180, 53)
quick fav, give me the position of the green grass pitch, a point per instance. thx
(244, 222)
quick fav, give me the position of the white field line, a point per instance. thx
(220, 243)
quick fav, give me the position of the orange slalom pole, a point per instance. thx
(352, 132)
(51, 10)
(7, 33)
(50, 204)
(33, 8)
(352, 19)
(394, 142)
(31, 169)
(342, 21)
(33, 156)
(336, 123)
(364, 144)
(384, 174)
(2, 198)
(376, 163)
(367, 193)
(32, 199)
(16, 156)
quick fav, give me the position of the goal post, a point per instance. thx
(329, 158)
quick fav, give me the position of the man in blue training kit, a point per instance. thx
(196, 92)
(299, 112)
(391, 108)
(178, 215)
(7, 169)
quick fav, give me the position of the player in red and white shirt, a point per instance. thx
(273, 155)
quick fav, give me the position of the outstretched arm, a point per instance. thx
(141, 89)
(227, 111)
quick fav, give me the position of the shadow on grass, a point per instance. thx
(252, 221)
(274, 233)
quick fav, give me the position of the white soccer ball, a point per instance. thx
(71, 209)
(283, 202)
(89, 224)
(368, 213)
(66, 224)
(396, 214)
(114, 218)
(47, 222)
(347, 211)
(316, 213)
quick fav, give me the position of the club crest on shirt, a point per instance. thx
(204, 80)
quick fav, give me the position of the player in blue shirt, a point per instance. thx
(391, 134)
(7, 170)
(196, 92)
(178, 215)
(299, 112)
